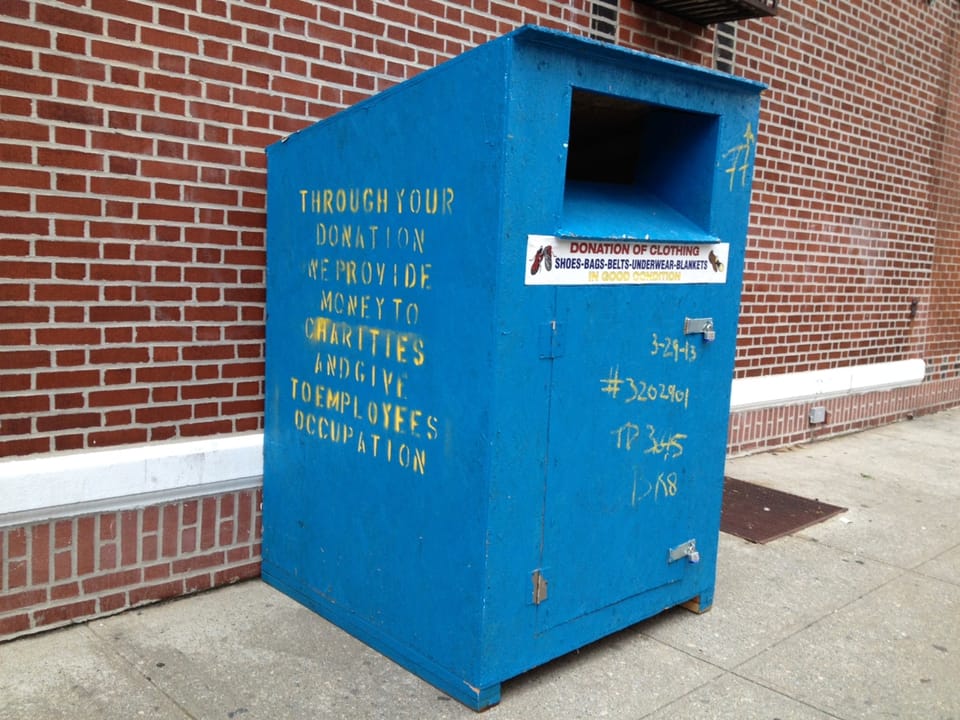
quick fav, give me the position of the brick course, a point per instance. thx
(62, 571)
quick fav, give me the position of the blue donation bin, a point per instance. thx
(502, 303)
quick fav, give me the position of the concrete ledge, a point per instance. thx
(68, 484)
(787, 388)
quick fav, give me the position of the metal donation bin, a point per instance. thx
(502, 301)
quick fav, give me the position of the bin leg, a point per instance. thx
(701, 603)
(473, 697)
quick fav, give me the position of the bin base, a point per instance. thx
(553, 643)
(475, 698)
(700, 604)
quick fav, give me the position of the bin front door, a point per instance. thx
(637, 437)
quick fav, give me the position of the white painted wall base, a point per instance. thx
(789, 388)
(68, 484)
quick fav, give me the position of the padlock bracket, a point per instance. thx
(700, 326)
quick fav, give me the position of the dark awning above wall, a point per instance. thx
(707, 12)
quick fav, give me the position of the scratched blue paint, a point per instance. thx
(437, 431)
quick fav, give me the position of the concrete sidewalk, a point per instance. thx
(857, 617)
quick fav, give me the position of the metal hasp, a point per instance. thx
(476, 378)
(700, 326)
(708, 12)
(686, 550)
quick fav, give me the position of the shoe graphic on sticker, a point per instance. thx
(537, 259)
(715, 262)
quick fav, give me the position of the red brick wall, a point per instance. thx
(61, 571)
(942, 336)
(854, 235)
(133, 188)
(131, 252)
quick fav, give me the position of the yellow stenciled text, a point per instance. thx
(377, 200)
(383, 429)
(400, 347)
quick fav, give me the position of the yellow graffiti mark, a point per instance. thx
(667, 485)
(669, 446)
(626, 435)
(633, 389)
(740, 158)
(611, 384)
(671, 349)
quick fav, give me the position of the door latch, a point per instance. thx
(686, 550)
(696, 326)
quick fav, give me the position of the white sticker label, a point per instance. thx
(575, 261)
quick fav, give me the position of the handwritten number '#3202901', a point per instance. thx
(629, 389)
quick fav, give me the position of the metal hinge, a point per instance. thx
(551, 340)
(539, 587)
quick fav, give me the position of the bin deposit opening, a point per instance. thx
(605, 138)
(637, 169)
